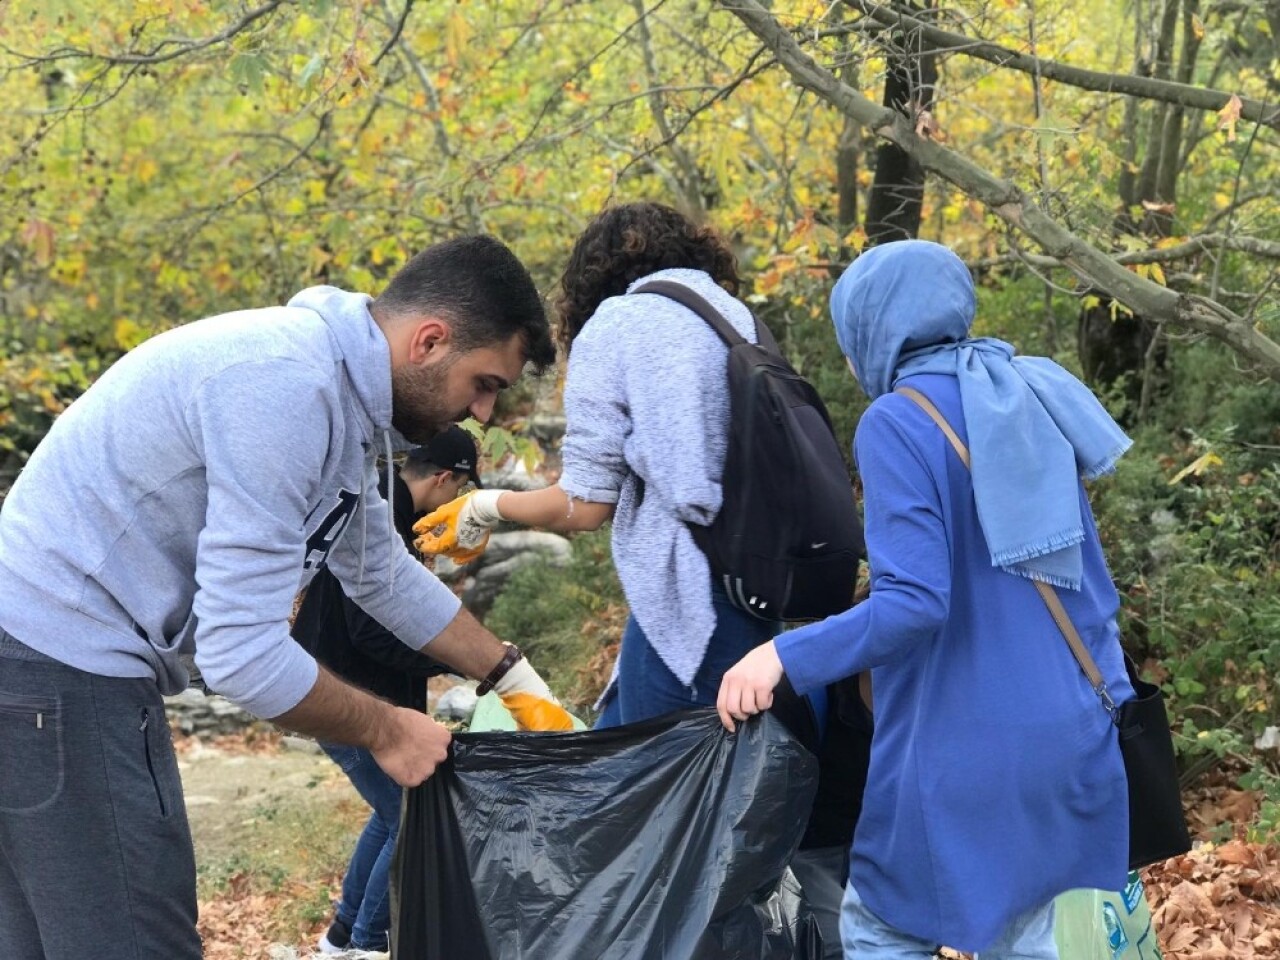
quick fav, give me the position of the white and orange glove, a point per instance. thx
(525, 694)
(460, 529)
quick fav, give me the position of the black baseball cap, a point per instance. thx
(453, 449)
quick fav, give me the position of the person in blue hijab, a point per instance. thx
(996, 780)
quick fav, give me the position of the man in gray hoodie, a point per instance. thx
(181, 504)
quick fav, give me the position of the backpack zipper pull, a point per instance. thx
(39, 721)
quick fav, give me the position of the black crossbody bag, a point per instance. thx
(1157, 827)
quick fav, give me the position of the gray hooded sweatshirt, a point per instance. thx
(197, 486)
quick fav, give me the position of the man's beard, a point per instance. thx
(418, 400)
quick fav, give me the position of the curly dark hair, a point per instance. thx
(630, 241)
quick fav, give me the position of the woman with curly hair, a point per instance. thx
(647, 409)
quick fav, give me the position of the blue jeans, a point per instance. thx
(647, 688)
(366, 902)
(1029, 936)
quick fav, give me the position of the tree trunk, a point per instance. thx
(897, 193)
(1115, 346)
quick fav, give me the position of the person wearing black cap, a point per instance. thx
(358, 648)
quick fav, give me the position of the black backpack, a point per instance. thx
(787, 541)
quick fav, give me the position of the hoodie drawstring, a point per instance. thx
(391, 516)
(364, 529)
(391, 521)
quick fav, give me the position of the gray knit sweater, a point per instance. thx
(646, 399)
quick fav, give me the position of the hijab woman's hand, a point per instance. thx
(747, 687)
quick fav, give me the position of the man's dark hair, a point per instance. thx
(479, 286)
(630, 241)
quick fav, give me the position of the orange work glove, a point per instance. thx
(463, 557)
(460, 529)
(534, 713)
(530, 701)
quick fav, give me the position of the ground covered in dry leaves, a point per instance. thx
(1219, 902)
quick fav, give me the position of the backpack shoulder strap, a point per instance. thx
(699, 305)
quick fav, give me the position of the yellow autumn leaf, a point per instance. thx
(799, 235)
(128, 334)
(317, 259)
(146, 170)
(304, 27)
(1157, 274)
(38, 235)
(1197, 466)
(1229, 116)
(457, 33)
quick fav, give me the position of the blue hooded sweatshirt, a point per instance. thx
(185, 499)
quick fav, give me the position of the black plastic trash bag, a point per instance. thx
(779, 927)
(665, 839)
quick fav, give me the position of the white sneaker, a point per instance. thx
(335, 939)
(328, 948)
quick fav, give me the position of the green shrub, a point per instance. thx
(34, 389)
(567, 619)
(1197, 563)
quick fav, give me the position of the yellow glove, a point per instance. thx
(529, 700)
(534, 713)
(463, 557)
(460, 529)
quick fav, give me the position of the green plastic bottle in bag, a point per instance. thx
(1102, 925)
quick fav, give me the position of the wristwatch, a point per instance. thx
(509, 660)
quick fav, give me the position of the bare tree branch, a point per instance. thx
(395, 33)
(748, 72)
(212, 211)
(1144, 297)
(181, 47)
(1206, 243)
(1235, 197)
(1148, 88)
(690, 181)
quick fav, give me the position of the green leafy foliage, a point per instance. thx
(566, 618)
(34, 389)
(1192, 532)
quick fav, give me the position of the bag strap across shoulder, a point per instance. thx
(1047, 593)
(699, 305)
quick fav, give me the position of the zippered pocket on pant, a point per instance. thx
(151, 759)
(35, 710)
(31, 742)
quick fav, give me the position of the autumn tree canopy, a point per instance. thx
(169, 158)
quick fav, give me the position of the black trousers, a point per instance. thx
(95, 850)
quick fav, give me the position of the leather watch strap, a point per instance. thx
(509, 660)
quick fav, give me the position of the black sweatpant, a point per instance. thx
(95, 850)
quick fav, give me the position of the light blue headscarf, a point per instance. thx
(905, 308)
